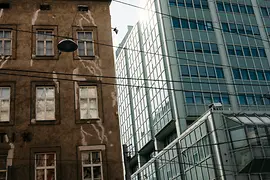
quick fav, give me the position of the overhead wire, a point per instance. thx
(130, 78)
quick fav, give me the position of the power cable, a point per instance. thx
(168, 15)
(135, 79)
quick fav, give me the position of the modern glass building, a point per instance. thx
(182, 56)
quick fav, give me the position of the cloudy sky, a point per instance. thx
(122, 16)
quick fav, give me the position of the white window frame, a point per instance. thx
(1, 102)
(45, 167)
(45, 103)
(3, 39)
(97, 148)
(4, 170)
(45, 41)
(85, 41)
(88, 97)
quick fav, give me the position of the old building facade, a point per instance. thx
(58, 115)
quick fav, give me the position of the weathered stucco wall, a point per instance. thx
(67, 133)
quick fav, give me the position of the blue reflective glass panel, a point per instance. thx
(193, 71)
(242, 100)
(236, 74)
(219, 72)
(176, 22)
(184, 70)
(260, 75)
(252, 75)
(184, 23)
(225, 99)
(220, 6)
(202, 71)
(244, 74)
(189, 98)
(180, 45)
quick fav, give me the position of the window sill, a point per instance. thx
(88, 121)
(6, 123)
(38, 57)
(44, 122)
(85, 57)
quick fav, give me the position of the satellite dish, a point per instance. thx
(67, 45)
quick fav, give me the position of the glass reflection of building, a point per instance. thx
(207, 52)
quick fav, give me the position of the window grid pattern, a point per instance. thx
(167, 166)
(246, 51)
(45, 103)
(201, 71)
(3, 167)
(233, 7)
(202, 4)
(252, 99)
(251, 74)
(197, 47)
(92, 165)
(197, 157)
(88, 102)
(206, 98)
(159, 98)
(140, 111)
(126, 126)
(4, 104)
(44, 43)
(240, 28)
(45, 166)
(85, 43)
(5, 42)
(192, 24)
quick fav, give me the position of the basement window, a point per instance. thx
(4, 5)
(83, 8)
(45, 7)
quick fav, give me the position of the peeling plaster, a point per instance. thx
(85, 18)
(31, 62)
(80, 23)
(10, 152)
(103, 136)
(1, 12)
(55, 81)
(33, 121)
(76, 95)
(75, 77)
(98, 133)
(83, 133)
(111, 145)
(114, 97)
(2, 64)
(110, 132)
(35, 16)
(91, 17)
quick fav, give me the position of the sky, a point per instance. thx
(123, 15)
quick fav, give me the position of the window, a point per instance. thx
(91, 162)
(207, 98)
(225, 27)
(260, 75)
(198, 98)
(193, 24)
(91, 165)
(262, 52)
(193, 71)
(198, 47)
(219, 73)
(252, 74)
(44, 43)
(214, 48)
(85, 43)
(235, 8)
(220, 6)
(4, 104)
(242, 100)
(259, 99)
(88, 102)
(238, 50)
(246, 51)
(3, 167)
(184, 23)
(250, 99)
(255, 30)
(211, 72)
(250, 9)
(216, 98)
(45, 103)
(180, 45)
(243, 9)
(244, 74)
(184, 70)
(254, 52)
(264, 11)
(189, 98)
(228, 7)
(236, 74)
(267, 75)
(5, 42)
(206, 48)
(238, 137)
(231, 50)
(201, 25)
(45, 166)
(202, 71)
(172, 2)
(176, 22)
(189, 46)
(225, 99)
